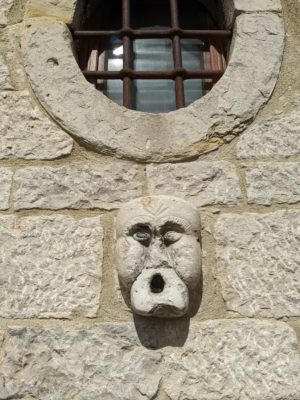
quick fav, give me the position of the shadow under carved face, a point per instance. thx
(158, 255)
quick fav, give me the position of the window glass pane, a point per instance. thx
(193, 90)
(112, 59)
(192, 54)
(113, 89)
(153, 55)
(154, 95)
(196, 88)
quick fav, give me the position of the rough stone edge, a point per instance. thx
(107, 140)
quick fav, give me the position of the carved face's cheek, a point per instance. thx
(130, 258)
(186, 256)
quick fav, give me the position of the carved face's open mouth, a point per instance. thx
(159, 292)
(157, 284)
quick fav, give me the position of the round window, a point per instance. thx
(152, 55)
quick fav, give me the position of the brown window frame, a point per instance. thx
(216, 38)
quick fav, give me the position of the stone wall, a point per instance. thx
(65, 331)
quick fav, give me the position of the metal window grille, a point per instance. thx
(89, 41)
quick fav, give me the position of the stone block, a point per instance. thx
(103, 362)
(26, 133)
(201, 183)
(272, 183)
(278, 136)
(50, 266)
(5, 186)
(105, 185)
(5, 81)
(5, 7)
(239, 360)
(60, 9)
(257, 5)
(10, 49)
(258, 263)
(233, 8)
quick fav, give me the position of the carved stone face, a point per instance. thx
(158, 255)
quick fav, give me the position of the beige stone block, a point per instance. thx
(5, 186)
(237, 360)
(202, 183)
(26, 133)
(5, 7)
(258, 263)
(5, 80)
(88, 363)
(233, 8)
(272, 183)
(10, 49)
(63, 10)
(278, 136)
(50, 267)
(102, 185)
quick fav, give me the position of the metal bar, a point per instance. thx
(157, 33)
(179, 86)
(127, 55)
(130, 73)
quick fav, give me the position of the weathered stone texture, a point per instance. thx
(239, 360)
(235, 360)
(60, 9)
(201, 183)
(271, 183)
(103, 362)
(5, 186)
(26, 133)
(110, 129)
(256, 5)
(5, 7)
(235, 7)
(50, 267)
(10, 48)
(278, 136)
(258, 263)
(90, 186)
(5, 81)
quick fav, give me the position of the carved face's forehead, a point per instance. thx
(157, 212)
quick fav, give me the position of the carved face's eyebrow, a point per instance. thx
(171, 226)
(139, 227)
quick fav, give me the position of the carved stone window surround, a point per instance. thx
(100, 124)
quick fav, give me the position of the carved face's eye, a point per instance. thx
(142, 234)
(143, 237)
(171, 237)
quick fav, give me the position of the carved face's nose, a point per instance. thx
(157, 256)
(159, 292)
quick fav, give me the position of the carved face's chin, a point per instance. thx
(159, 292)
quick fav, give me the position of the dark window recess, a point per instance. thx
(152, 55)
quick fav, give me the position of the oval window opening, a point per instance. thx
(152, 55)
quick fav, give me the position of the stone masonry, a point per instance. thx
(65, 330)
